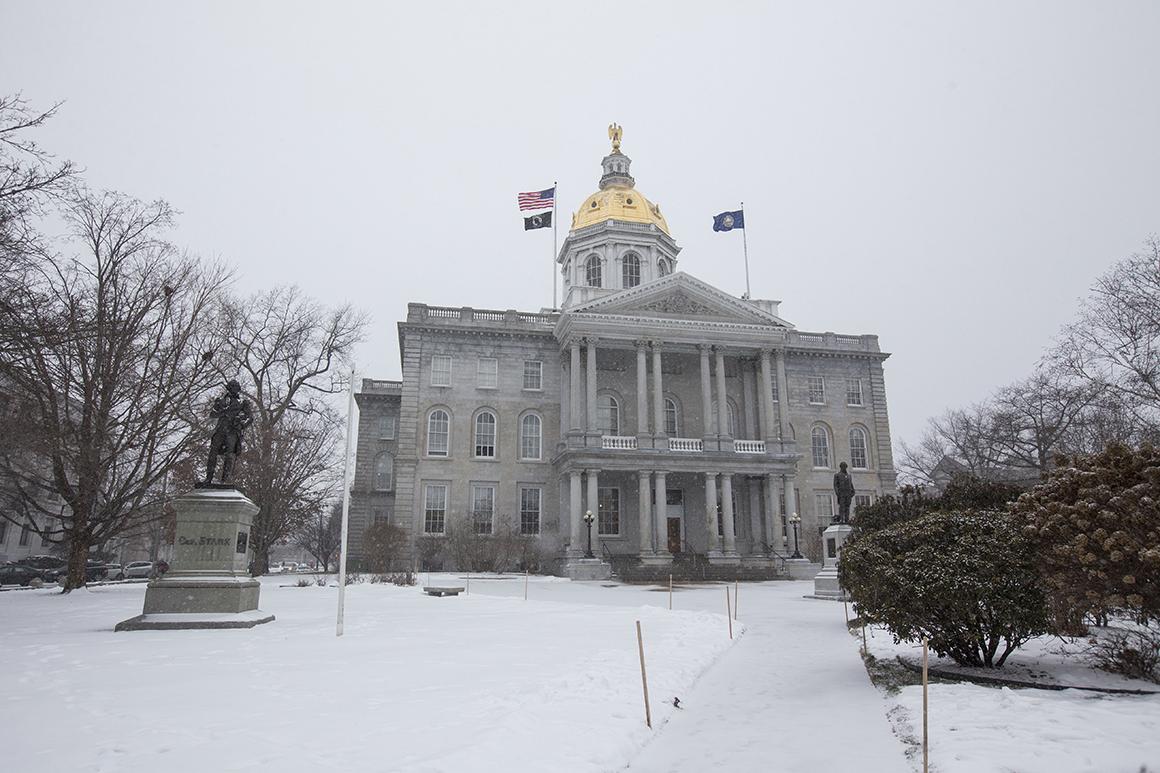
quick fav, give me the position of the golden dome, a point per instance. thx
(618, 202)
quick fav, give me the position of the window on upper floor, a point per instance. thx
(630, 270)
(853, 391)
(485, 423)
(531, 431)
(384, 472)
(440, 370)
(858, 457)
(386, 427)
(672, 418)
(608, 415)
(773, 389)
(487, 373)
(820, 447)
(817, 390)
(533, 375)
(592, 271)
(662, 267)
(438, 432)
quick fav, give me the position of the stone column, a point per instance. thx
(782, 396)
(590, 372)
(574, 547)
(662, 513)
(593, 504)
(772, 516)
(643, 491)
(765, 400)
(574, 401)
(565, 398)
(658, 394)
(722, 399)
(641, 392)
(727, 514)
(706, 394)
(791, 505)
(756, 537)
(714, 541)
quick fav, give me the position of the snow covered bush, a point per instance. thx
(964, 580)
(1095, 523)
(383, 546)
(1135, 653)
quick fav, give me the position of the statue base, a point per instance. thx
(826, 585)
(208, 585)
(588, 569)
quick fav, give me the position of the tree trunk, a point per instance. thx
(261, 563)
(78, 554)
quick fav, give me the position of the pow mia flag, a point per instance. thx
(542, 220)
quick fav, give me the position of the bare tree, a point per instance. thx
(321, 536)
(1039, 417)
(285, 349)
(1115, 342)
(965, 435)
(107, 356)
(29, 176)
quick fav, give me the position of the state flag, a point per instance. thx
(541, 220)
(727, 221)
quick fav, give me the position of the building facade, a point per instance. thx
(685, 419)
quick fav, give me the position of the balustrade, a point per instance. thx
(686, 444)
(618, 442)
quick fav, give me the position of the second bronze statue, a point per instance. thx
(233, 415)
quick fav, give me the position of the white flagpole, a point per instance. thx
(745, 247)
(346, 476)
(554, 197)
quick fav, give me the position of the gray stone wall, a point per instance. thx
(376, 400)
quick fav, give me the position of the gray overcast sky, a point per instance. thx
(949, 176)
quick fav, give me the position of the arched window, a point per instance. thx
(630, 270)
(384, 472)
(662, 267)
(858, 458)
(820, 445)
(485, 435)
(438, 432)
(672, 418)
(530, 436)
(592, 271)
(731, 417)
(608, 415)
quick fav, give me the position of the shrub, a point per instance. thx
(304, 582)
(1133, 653)
(1096, 524)
(964, 580)
(889, 510)
(383, 546)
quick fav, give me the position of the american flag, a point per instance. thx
(538, 199)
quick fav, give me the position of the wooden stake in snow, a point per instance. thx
(846, 612)
(924, 733)
(864, 648)
(525, 585)
(643, 676)
(670, 591)
(728, 611)
(468, 586)
(736, 590)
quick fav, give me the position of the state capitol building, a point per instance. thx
(688, 421)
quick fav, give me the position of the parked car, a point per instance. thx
(17, 574)
(138, 569)
(48, 567)
(114, 572)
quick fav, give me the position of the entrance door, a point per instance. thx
(674, 514)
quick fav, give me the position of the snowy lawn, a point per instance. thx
(468, 683)
(980, 729)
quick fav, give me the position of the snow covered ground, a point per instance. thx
(490, 682)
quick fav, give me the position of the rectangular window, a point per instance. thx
(386, 428)
(380, 515)
(817, 386)
(487, 373)
(435, 508)
(3, 531)
(862, 500)
(25, 535)
(774, 389)
(533, 375)
(440, 370)
(482, 508)
(824, 505)
(608, 522)
(853, 391)
(530, 511)
(44, 541)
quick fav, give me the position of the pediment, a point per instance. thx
(679, 296)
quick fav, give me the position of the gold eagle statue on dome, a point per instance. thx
(614, 134)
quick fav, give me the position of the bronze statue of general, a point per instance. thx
(844, 488)
(232, 412)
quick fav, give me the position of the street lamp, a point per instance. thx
(796, 520)
(588, 519)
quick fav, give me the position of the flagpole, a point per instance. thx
(745, 247)
(346, 476)
(554, 197)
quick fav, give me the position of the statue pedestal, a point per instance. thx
(826, 585)
(588, 569)
(208, 585)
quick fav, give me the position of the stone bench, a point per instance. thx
(433, 590)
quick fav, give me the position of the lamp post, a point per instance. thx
(796, 520)
(588, 519)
